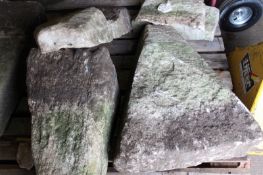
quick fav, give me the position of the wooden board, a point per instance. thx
(216, 61)
(217, 45)
(15, 170)
(125, 62)
(129, 46)
(75, 4)
(8, 150)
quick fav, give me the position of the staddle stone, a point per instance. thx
(179, 114)
(72, 97)
(84, 29)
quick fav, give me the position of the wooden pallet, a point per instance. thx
(123, 54)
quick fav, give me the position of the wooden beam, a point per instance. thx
(76, 4)
(8, 150)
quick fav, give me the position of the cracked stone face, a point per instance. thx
(83, 29)
(192, 19)
(179, 114)
(72, 97)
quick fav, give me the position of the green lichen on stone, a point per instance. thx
(65, 131)
(72, 100)
(193, 20)
(178, 109)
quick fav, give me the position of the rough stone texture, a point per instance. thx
(24, 156)
(179, 115)
(72, 98)
(89, 26)
(211, 22)
(191, 18)
(17, 20)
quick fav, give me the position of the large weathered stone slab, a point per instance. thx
(86, 28)
(191, 18)
(17, 21)
(179, 114)
(72, 98)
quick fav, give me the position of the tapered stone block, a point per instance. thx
(179, 114)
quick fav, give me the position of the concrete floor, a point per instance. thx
(245, 38)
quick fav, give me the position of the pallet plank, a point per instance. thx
(197, 171)
(8, 151)
(217, 45)
(15, 170)
(216, 61)
(129, 46)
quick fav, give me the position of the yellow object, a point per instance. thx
(246, 67)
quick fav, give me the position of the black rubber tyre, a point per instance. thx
(230, 14)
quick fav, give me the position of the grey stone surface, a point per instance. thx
(24, 156)
(84, 29)
(192, 19)
(179, 114)
(72, 98)
(17, 21)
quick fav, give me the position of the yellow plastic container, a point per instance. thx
(246, 67)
